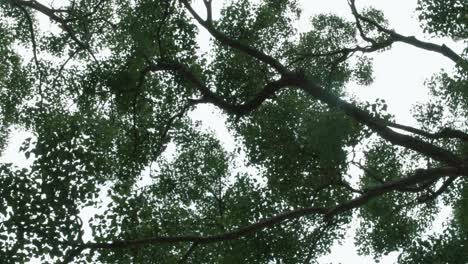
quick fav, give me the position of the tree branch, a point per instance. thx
(439, 191)
(329, 213)
(346, 51)
(62, 67)
(289, 78)
(376, 125)
(317, 92)
(418, 176)
(34, 50)
(210, 97)
(49, 12)
(411, 40)
(443, 133)
(358, 24)
(187, 254)
(241, 232)
(224, 39)
(298, 80)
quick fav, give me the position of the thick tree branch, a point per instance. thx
(411, 40)
(51, 13)
(418, 176)
(317, 92)
(443, 133)
(210, 97)
(377, 126)
(243, 231)
(439, 191)
(235, 44)
(289, 78)
(421, 187)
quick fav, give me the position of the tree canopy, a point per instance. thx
(106, 90)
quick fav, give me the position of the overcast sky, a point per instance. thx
(399, 76)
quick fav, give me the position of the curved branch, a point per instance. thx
(49, 12)
(224, 39)
(232, 235)
(411, 40)
(289, 78)
(419, 176)
(210, 97)
(62, 67)
(377, 125)
(328, 213)
(317, 92)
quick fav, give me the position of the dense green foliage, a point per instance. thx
(105, 89)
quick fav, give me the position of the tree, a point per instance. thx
(109, 87)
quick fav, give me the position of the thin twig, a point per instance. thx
(187, 254)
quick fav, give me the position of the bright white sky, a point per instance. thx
(399, 76)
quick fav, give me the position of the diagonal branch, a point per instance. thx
(34, 50)
(438, 192)
(62, 67)
(419, 175)
(345, 52)
(224, 39)
(328, 213)
(315, 91)
(231, 235)
(359, 25)
(411, 40)
(187, 254)
(443, 133)
(210, 97)
(377, 125)
(51, 13)
(168, 125)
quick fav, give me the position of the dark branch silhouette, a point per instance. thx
(411, 40)
(328, 213)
